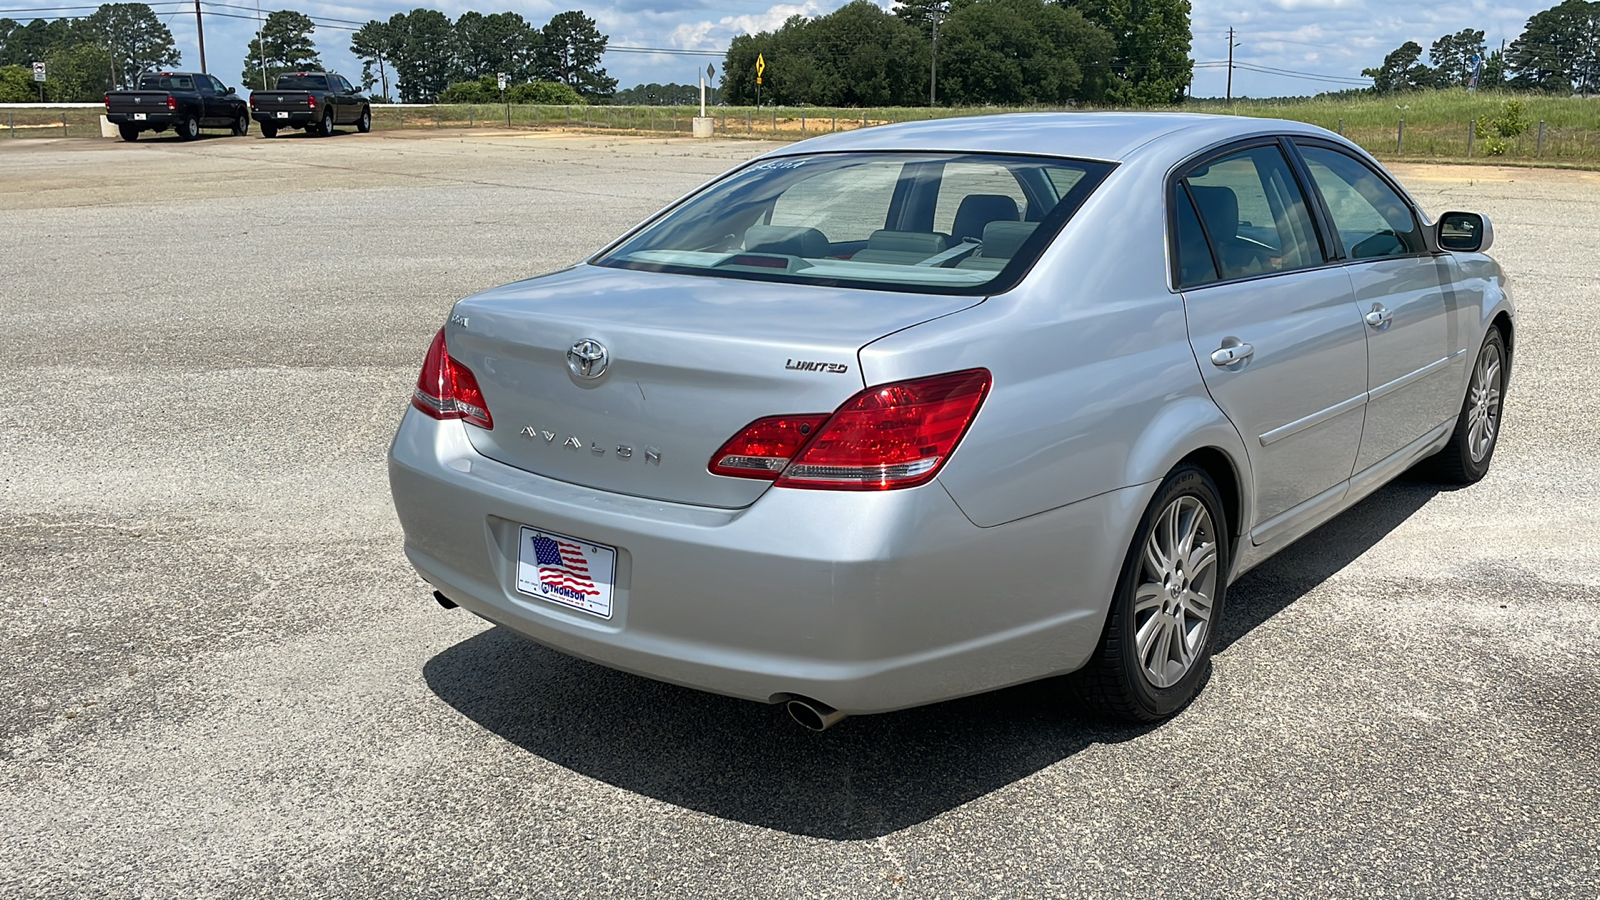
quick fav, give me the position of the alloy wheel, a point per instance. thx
(1483, 403)
(1178, 580)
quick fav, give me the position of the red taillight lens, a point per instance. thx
(762, 448)
(311, 102)
(890, 436)
(447, 390)
(172, 103)
(108, 101)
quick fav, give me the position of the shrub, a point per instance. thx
(1494, 131)
(549, 93)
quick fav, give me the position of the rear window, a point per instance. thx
(925, 222)
(302, 82)
(166, 83)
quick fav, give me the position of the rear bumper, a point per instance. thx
(291, 119)
(150, 120)
(865, 601)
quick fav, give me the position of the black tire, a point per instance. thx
(130, 133)
(188, 128)
(364, 124)
(324, 128)
(269, 130)
(1117, 682)
(241, 125)
(1465, 459)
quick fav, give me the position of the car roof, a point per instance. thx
(1108, 136)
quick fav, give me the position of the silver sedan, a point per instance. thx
(914, 412)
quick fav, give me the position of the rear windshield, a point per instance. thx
(302, 82)
(942, 223)
(166, 83)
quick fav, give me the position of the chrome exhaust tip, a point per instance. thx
(813, 715)
(444, 601)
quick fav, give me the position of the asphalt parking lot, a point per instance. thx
(223, 679)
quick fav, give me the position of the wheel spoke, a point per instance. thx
(1145, 638)
(1146, 598)
(1203, 558)
(1198, 605)
(1163, 653)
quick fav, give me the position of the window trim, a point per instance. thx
(1178, 175)
(1344, 258)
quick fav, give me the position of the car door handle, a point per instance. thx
(1228, 354)
(1380, 317)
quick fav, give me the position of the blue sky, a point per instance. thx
(1331, 39)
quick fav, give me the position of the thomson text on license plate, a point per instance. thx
(566, 570)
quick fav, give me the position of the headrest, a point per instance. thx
(789, 240)
(1001, 240)
(978, 210)
(1219, 208)
(906, 242)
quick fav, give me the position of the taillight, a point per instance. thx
(886, 437)
(311, 102)
(447, 390)
(762, 448)
(108, 101)
(172, 102)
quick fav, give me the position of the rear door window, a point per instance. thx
(1255, 214)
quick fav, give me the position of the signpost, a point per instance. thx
(761, 66)
(38, 75)
(504, 100)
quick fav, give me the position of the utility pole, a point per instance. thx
(200, 28)
(933, 66)
(1231, 45)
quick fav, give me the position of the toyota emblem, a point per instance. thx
(588, 358)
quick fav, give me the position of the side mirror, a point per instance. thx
(229, 91)
(1464, 232)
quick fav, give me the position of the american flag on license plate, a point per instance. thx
(561, 564)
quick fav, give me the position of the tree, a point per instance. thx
(422, 64)
(1494, 71)
(1452, 57)
(23, 45)
(284, 45)
(16, 85)
(79, 73)
(135, 38)
(1024, 52)
(1559, 50)
(1401, 70)
(373, 43)
(1150, 65)
(571, 54)
(502, 42)
(654, 94)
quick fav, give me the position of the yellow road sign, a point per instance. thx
(761, 66)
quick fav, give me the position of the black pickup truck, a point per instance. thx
(183, 101)
(313, 102)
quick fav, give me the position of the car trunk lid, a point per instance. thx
(689, 361)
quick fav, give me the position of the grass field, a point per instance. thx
(1437, 125)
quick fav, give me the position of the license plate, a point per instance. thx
(283, 115)
(139, 117)
(566, 570)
